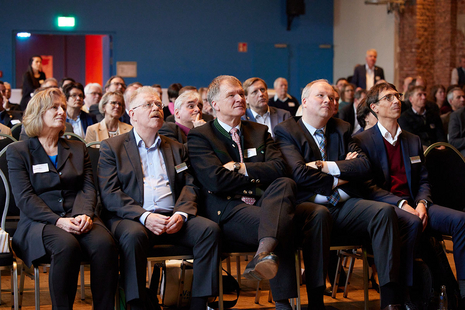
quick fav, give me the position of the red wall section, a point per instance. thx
(94, 61)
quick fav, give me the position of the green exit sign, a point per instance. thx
(66, 21)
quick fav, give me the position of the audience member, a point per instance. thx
(256, 96)
(161, 209)
(5, 93)
(79, 119)
(400, 175)
(327, 172)
(347, 96)
(32, 79)
(340, 83)
(159, 90)
(54, 189)
(173, 93)
(111, 107)
(458, 74)
(349, 112)
(115, 83)
(365, 117)
(93, 94)
(9, 118)
(421, 120)
(50, 82)
(438, 96)
(365, 76)
(65, 81)
(281, 99)
(456, 100)
(207, 108)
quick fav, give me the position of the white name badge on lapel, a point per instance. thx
(251, 152)
(181, 167)
(40, 168)
(415, 159)
(291, 104)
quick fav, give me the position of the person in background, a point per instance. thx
(65, 81)
(458, 74)
(365, 76)
(159, 90)
(111, 107)
(79, 119)
(115, 83)
(50, 82)
(349, 112)
(173, 93)
(438, 96)
(207, 108)
(365, 117)
(32, 79)
(456, 100)
(54, 190)
(93, 94)
(347, 95)
(282, 99)
(5, 92)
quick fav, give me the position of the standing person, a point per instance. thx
(365, 76)
(79, 119)
(32, 79)
(149, 198)
(282, 99)
(111, 106)
(458, 74)
(54, 189)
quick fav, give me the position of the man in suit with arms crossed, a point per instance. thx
(326, 169)
(149, 198)
(243, 176)
(256, 95)
(400, 176)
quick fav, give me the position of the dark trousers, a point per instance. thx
(66, 251)
(377, 220)
(199, 233)
(272, 216)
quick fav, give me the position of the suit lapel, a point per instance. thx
(63, 153)
(169, 164)
(273, 118)
(102, 131)
(134, 159)
(249, 115)
(378, 142)
(406, 157)
(311, 141)
(38, 153)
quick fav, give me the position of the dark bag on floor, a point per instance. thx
(230, 286)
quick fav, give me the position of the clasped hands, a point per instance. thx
(420, 211)
(159, 223)
(75, 225)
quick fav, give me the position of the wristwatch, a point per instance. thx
(237, 166)
(319, 164)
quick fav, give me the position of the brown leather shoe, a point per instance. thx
(393, 307)
(264, 266)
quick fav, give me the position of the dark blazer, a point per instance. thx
(210, 147)
(121, 179)
(360, 76)
(429, 127)
(93, 109)
(87, 119)
(347, 114)
(372, 144)
(7, 116)
(43, 198)
(457, 130)
(299, 148)
(291, 104)
(276, 116)
(172, 131)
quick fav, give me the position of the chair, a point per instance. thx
(12, 217)
(7, 260)
(16, 130)
(446, 171)
(73, 136)
(5, 140)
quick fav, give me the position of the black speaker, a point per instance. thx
(295, 7)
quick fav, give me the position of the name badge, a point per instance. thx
(251, 152)
(40, 168)
(415, 159)
(291, 104)
(181, 167)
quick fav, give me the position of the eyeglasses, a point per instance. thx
(74, 96)
(390, 97)
(118, 84)
(149, 105)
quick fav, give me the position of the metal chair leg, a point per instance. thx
(365, 277)
(349, 274)
(14, 286)
(83, 292)
(238, 269)
(36, 288)
(338, 274)
(257, 293)
(220, 287)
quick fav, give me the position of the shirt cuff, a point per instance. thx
(400, 204)
(335, 181)
(143, 217)
(183, 214)
(424, 202)
(333, 169)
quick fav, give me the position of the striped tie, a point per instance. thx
(335, 197)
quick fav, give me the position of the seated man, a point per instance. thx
(326, 172)
(256, 96)
(149, 198)
(282, 99)
(456, 99)
(242, 174)
(400, 176)
(421, 120)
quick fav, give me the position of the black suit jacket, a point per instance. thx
(44, 197)
(121, 179)
(428, 128)
(360, 76)
(276, 116)
(210, 147)
(299, 148)
(347, 114)
(172, 131)
(372, 144)
(457, 130)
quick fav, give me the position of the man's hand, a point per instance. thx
(230, 167)
(312, 164)
(351, 155)
(69, 224)
(341, 182)
(174, 224)
(85, 223)
(422, 214)
(156, 223)
(198, 121)
(409, 209)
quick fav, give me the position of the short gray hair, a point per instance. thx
(306, 91)
(142, 90)
(88, 86)
(214, 88)
(450, 94)
(186, 97)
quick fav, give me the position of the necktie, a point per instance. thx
(335, 197)
(235, 137)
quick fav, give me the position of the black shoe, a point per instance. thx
(408, 305)
(374, 284)
(264, 266)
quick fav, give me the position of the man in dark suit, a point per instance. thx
(283, 100)
(399, 174)
(457, 130)
(327, 170)
(149, 198)
(349, 112)
(365, 76)
(246, 192)
(256, 96)
(421, 120)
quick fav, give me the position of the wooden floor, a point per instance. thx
(246, 300)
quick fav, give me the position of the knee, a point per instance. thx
(386, 211)
(287, 183)
(130, 239)
(212, 231)
(68, 249)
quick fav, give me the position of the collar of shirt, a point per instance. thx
(265, 116)
(70, 120)
(370, 70)
(140, 142)
(227, 127)
(276, 98)
(387, 136)
(312, 130)
(416, 113)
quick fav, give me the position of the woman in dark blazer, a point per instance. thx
(53, 187)
(32, 80)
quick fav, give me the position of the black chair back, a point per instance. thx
(16, 130)
(446, 174)
(12, 216)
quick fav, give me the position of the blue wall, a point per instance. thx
(189, 41)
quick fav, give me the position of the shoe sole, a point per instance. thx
(265, 270)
